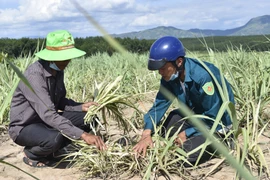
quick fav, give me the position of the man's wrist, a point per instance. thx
(146, 132)
(83, 135)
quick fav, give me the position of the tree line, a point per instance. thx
(24, 46)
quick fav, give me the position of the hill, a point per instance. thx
(256, 26)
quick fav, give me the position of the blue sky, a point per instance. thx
(35, 18)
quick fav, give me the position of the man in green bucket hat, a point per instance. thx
(40, 120)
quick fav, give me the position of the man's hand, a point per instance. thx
(145, 141)
(93, 139)
(181, 138)
(86, 105)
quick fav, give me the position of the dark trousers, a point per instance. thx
(41, 140)
(172, 124)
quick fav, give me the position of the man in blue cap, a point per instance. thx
(191, 84)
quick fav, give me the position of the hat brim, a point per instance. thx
(62, 55)
(155, 64)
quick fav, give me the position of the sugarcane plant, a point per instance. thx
(109, 104)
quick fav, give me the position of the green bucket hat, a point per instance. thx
(59, 47)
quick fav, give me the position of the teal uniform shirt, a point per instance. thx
(201, 96)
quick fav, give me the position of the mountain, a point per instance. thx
(256, 26)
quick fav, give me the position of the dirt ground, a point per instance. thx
(12, 153)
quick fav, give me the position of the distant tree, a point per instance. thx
(92, 45)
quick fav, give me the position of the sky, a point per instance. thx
(36, 18)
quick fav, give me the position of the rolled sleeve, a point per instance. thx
(157, 111)
(190, 132)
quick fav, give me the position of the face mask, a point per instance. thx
(53, 66)
(174, 76)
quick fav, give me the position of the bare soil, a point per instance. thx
(12, 153)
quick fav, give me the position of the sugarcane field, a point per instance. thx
(125, 90)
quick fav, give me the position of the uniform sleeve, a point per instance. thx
(44, 107)
(157, 111)
(190, 131)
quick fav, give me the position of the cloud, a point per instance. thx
(29, 10)
(25, 17)
(149, 20)
(53, 13)
(36, 10)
